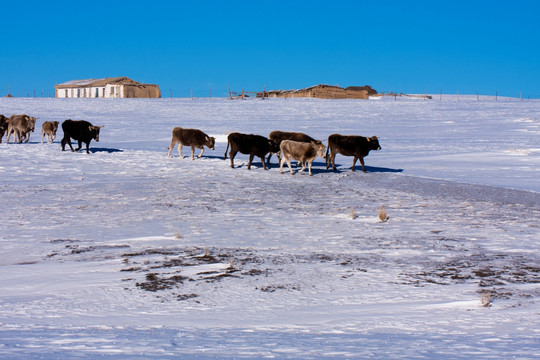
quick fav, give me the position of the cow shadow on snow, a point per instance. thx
(107, 150)
(320, 167)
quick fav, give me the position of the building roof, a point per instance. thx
(96, 82)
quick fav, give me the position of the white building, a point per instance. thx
(116, 87)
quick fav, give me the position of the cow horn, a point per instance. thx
(368, 139)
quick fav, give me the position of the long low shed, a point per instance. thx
(112, 87)
(323, 91)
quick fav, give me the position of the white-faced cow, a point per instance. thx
(350, 145)
(190, 137)
(20, 126)
(302, 151)
(79, 130)
(49, 128)
(3, 126)
(254, 145)
(279, 136)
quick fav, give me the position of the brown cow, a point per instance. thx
(49, 129)
(279, 136)
(190, 137)
(350, 145)
(302, 151)
(250, 144)
(3, 126)
(21, 126)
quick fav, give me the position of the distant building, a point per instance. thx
(323, 91)
(113, 87)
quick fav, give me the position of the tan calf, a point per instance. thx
(20, 126)
(304, 152)
(193, 138)
(49, 128)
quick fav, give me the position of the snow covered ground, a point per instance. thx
(125, 253)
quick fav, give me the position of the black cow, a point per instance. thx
(350, 145)
(254, 145)
(79, 130)
(279, 136)
(3, 126)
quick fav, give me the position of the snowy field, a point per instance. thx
(125, 253)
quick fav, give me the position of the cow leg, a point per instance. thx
(281, 165)
(332, 161)
(8, 134)
(79, 142)
(88, 147)
(268, 160)
(19, 136)
(309, 167)
(250, 160)
(354, 162)
(362, 162)
(202, 152)
(67, 140)
(170, 148)
(180, 146)
(43, 135)
(264, 163)
(232, 154)
(289, 163)
(303, 165)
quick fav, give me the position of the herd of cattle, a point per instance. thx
(286, 145)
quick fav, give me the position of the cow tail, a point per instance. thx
(226, 149)
(327, 150)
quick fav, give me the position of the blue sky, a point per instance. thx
(405, 46)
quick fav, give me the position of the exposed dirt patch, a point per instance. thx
(492, 272)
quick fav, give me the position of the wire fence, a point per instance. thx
(226, 92)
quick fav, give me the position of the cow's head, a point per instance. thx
(274, 146)
(94, 132)
(31, 123)
(321, 149)
(54, 126)
(374, 143)
(210, 142)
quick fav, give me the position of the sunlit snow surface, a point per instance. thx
(125, 253)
